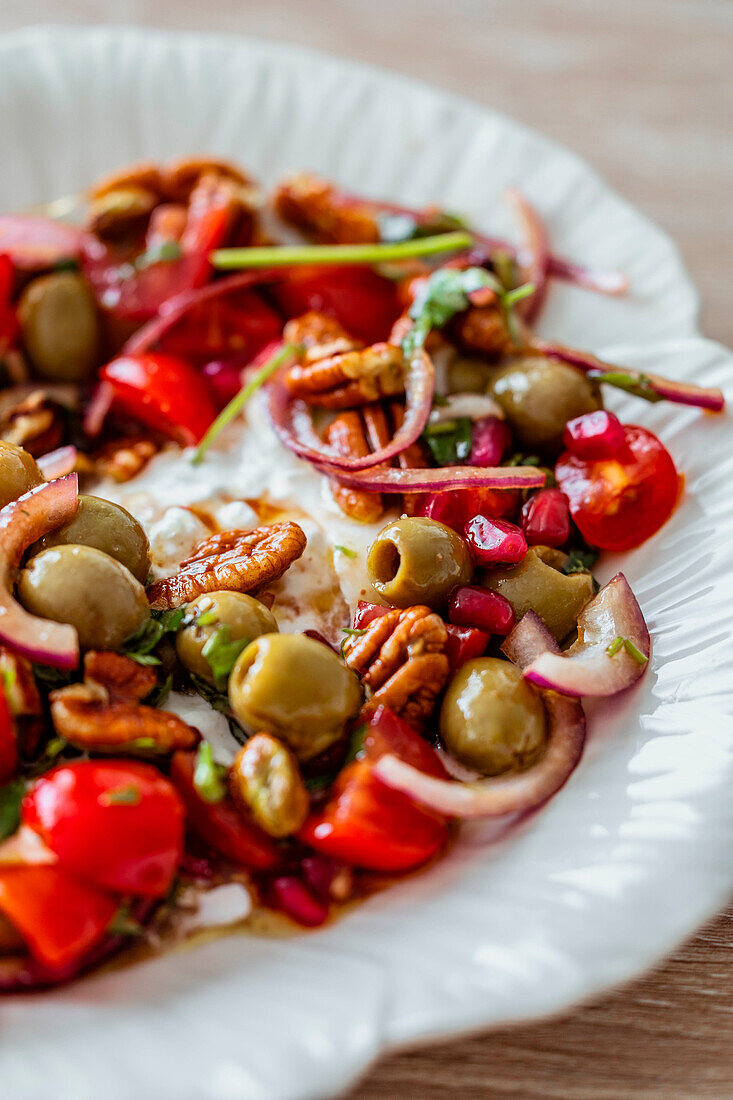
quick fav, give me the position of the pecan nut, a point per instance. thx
(325, 213)
(402, 661)
(123, 459)
(179, 178)
(265, 782)
(145, 174)
(36, 423)
(320, 335)
(120, 212)
(483, 329)
(105, 712)
(23, 698)
(239, 561)
(346, 434)
(350, 378)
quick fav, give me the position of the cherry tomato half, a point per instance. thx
(366, 823)
(220, 825)
(617, 503)
(364, 302)
(162, 391)
(59, 917)
(115, 823)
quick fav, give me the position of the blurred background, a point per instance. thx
(642, 90)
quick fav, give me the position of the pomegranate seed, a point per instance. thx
(480, 608)
(294, 898)
(366, 612)
(495, 540)
(318, 637)
(463, 644)
(598, 434)
(196, 866)
(224, 379)
(328, 879)
(490, 440)
(545, 518)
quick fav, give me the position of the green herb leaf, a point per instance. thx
(66, 264)
(121, 796)
(156, 698)
(346, 551)
(208, 776)
(11, 796)
(51, 678)
(449, 440)
(638, 384)
(165, 252)
(356, 742)
(523, 460)
(122, 923)
(220, 652)
(615, 646)
(350, 632)
(314, 783)
(580, 560)
(139, 646)
(237, 403)
(206, 618)
(289, 255)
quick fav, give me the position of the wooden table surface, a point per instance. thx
(642, 89)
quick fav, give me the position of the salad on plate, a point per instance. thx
(298, 523)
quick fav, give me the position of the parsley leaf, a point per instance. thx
(122, 923)
(139, 647)
(580, 560)
(449, 440)
(208, 776)
(346, 551)
(220, 652)
(10, 798)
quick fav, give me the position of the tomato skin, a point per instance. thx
(131, 847)
(364, 302)
(369, 825)
(464, 643)
(8, 742)
(235, 327)
(162, 391)
(220, 825)
(59, 917)
(617, 503)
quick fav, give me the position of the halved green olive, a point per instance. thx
(87, 588)
(245, 617)
(539, 396)
(19, 472)
(60, 327)
(537, 584)
(295, 688)
(415, 560)
(109, 528)
(491, 719)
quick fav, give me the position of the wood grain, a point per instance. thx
(642, 89)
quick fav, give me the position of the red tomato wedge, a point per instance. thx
(8, 741)
(617, 503)
(367, 824)
(220, 825)
(162, 391)
(34, 243)
(115, 823)
(59, 917)
(235, 326)
(364, 302)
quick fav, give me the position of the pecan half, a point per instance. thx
(105, 712)
(401, 659)
(36, 423)
(120, 212)
(144, 174)
(482, 329)
(351, 378)
(180, 177)
(239, 561)
(323, 212)
(123, 459)
(346, 435)
(24, 700)
(320, 335)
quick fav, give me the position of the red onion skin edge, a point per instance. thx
(442, 480)
(293, 424)
(22, 522)
(537, 248)
(587, 669)
(507, 794)
(680, 393)
(57, 463)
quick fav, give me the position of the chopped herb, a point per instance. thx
(238, 402)
(615, 646)
(139, 647)
(165, 252)
(206, 618)
(216, 699)
(68, 263)
(630, 648)
(350, 633)
(145, 744)
(505, 268)
(287, 255)
(638, 384)
(144, 658)
(220, 652)
(122, 923)
(511, 297)
(449, 440)
(314, 783)
(356, 742)
(157, 697)
(50, 677)
(523, 460)
(121, 796)
(10, 798)
(346, 551)
(580, 560)
(208, 776)
(8, 679)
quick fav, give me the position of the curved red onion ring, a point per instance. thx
(534, 257)
(22, 522)
(681, 393)
(586, 667)
(293, 423)
(57, 463)
(512, 793)
(443, 480)
(34, 242)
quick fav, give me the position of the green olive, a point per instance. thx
(60, 327)
(467, 375)
(537, 584)
(539, 396)
(87, 588)
(414, 560)
(19, 472)
(245, 616)
(108, 527)
(491, 719)
(295, 688)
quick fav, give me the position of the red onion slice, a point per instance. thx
(534, 257)
(681, 393)
(513, 793)
(587, 668)
(293, 423)
(22, 522)
(57, 463)
(34, 243)
(443, 480)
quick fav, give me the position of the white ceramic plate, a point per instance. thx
(635, 851)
